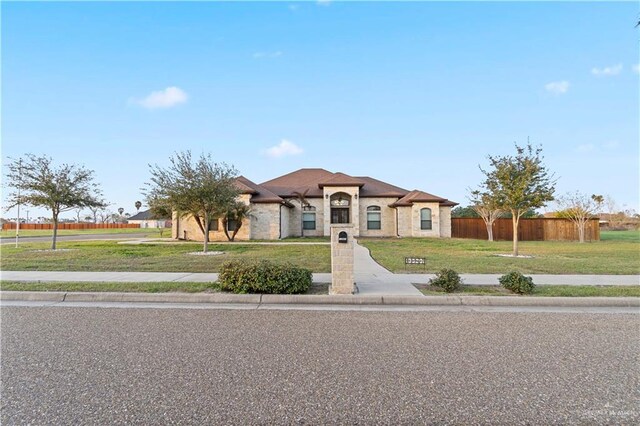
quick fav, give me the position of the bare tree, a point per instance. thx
(483, 204)
(40, 184)
(579, 208)
(78, 213)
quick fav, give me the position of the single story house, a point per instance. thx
(146, 220)
(306, 202)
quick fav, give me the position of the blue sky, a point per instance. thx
(415, 94)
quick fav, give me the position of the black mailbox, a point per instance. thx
(342, 237)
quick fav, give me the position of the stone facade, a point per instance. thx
(342, 254)
(276, 211)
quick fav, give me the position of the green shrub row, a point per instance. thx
(450, 281)
(264, 277)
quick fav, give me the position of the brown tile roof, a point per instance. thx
(417, 196)
(300, 180)
(340, 179)
(313, 180)
(259, 194)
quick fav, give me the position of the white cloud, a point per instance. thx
(267, 55)
(589, 147)
(294, 7)
(636, 68)
(167, 98)
(557, 87)
(284, 148)
(612, 70)
(323, 2)
(611, 144)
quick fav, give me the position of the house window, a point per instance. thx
(231, 224)
(425, 219)
(373, 217)
(213, 225)
(309, 217)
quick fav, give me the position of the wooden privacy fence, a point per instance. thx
(12, 225)
(543, 229)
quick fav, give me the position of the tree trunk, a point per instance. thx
(205, 231)
(55, 230)
(516, 221)
(581, 227)
(489, 230)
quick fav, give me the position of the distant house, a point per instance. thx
(146, 220)
(375, 208)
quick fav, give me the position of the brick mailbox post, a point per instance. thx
(342, 259)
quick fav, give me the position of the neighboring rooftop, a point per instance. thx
(145, 215)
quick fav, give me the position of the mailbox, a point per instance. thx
(342, 237)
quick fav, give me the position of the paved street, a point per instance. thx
(157, 366)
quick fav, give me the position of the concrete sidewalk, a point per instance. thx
(364, 280)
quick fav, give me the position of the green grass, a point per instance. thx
(150, 232)
(620, 235)
(147, 287)
(174, 257)
(541, 290)
(155, 287)
(617, 255)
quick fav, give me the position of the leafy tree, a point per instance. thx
(202, 189)
(237, 212)
(579, 208)
(518, 183)
(120, 211)
(464, 212)
(39, 183)
(486, 207)
(138, 204)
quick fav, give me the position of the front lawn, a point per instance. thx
(541, 290)
(614, 255)
(127, 287)
(171, 257)
(149, 232)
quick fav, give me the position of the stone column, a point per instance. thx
(342, 259)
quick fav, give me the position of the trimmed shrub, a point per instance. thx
(447, 279)
(517, 283)
(264, 277)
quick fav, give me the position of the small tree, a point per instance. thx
(485, 206)
(202, 189)
(138, 204)
(237, 212)
(302, 199)
(579, 208)
(518, 183)
(40, 184)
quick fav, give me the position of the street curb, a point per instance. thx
(302, 299)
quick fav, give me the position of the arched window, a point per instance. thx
(308, 217)
(374, 217)
(425, 219)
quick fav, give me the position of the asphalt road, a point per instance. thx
(165, 366)
(80, 237)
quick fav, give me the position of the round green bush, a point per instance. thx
(264, 277)
(517, 283)
(447, 279)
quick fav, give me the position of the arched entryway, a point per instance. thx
(340, 207)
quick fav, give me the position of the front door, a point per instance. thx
(339, 215)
